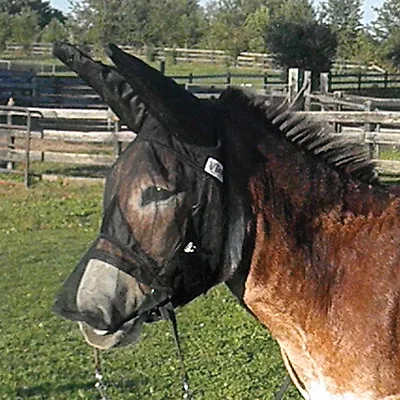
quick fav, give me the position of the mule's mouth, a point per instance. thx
(126, 334)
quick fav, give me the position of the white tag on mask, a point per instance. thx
(215, 168)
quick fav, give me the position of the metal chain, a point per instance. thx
(168, 313)
(99, 385)
(283, 389)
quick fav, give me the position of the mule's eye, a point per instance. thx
(155, 193)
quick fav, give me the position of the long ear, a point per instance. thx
(107, 82)
(177, 109)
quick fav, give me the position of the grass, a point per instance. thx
(44, 232)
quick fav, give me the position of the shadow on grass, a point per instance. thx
(86, 171)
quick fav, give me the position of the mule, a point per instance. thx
(242, 191)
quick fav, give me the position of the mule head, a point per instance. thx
(162, 231)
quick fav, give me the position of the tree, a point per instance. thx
(256, 26)
(42, 8)
(98, 21)
(300, 11)
(345, 18)
(138, 22)
(227, 26)
(54, 31)
(392, 53)
(387, 32)
(180, 25)
(5, 29)
(25, 28)
(388, 19)
(309, 45)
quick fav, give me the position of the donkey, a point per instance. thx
(242, 191)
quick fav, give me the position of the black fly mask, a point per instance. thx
(162, 233)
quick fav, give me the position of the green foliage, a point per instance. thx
(299, 11)
(387, 22)
(256, 25)
(54, 31)
(44, 233)
(309, 46)
(365, 48)
(5, 29)
(25, 28)
(42, 8)
(392, 49)
(231, 26)
(140, 22)
(345, 19)
(96, 21)
(232, 40)
(387, 32)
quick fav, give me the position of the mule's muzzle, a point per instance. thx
(109, 303)
(126, 334)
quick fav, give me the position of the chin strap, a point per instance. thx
(168, 313)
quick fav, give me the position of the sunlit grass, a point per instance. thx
(44, 231)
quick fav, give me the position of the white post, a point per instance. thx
(324, 78)
(293, 83)
(307, 84)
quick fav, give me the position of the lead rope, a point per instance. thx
(99, 385)
(168, 313)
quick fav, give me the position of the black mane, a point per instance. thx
(307, 134)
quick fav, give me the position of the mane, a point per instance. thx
(313, 137)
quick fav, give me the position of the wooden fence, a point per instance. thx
(244, 59)
(77, 137)
(361, 80)
(94, 138)
(31, 90)
(174, 54)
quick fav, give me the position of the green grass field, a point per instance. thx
(44, 231)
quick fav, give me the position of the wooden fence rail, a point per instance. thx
(177, 54)
(362, 81)
(30, 90)
(47, 128)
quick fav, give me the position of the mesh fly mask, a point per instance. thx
(192, 266)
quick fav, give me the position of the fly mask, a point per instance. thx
(163, 225)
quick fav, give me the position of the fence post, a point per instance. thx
(368, 128)
(293, 83)
(113, 124)
(307, 84)
(34, 91)
(265, 80)
(10, 137)
(27, 148)
(228, 78)
(359, 81)
(324, 82)
(338, 126)
(162, 67)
